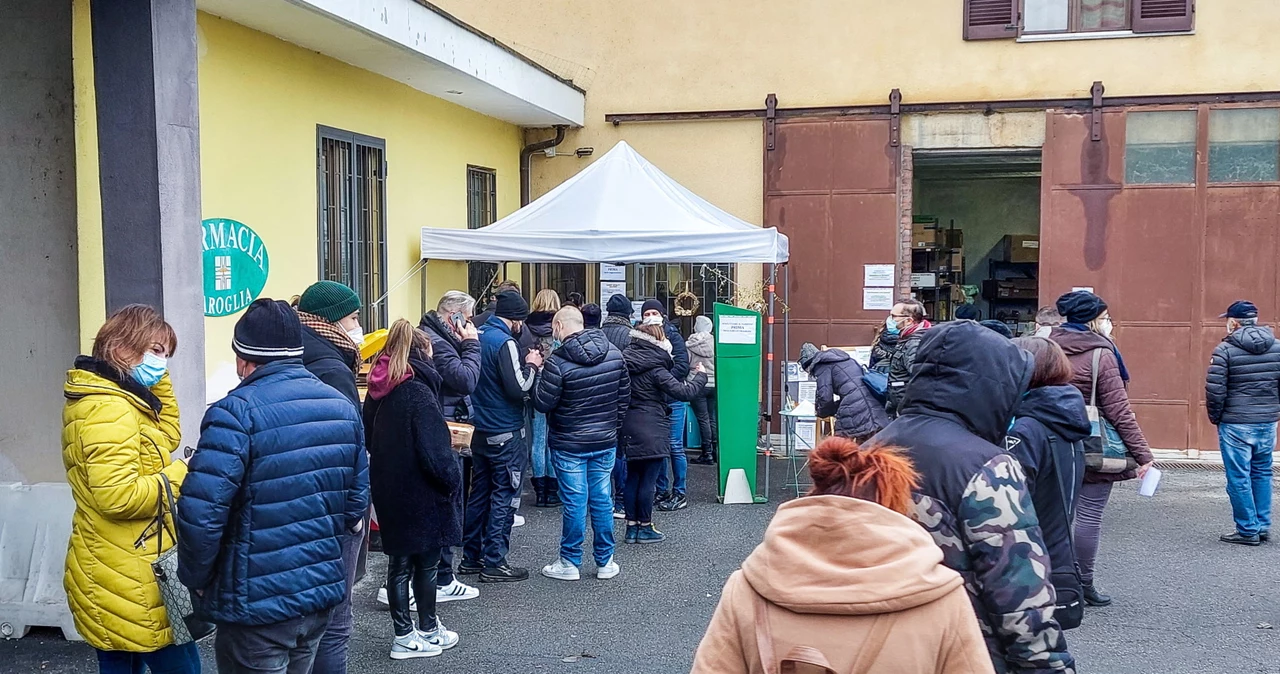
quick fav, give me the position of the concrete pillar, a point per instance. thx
(38, 271)
(144, 56)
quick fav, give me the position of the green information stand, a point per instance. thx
(738, 371)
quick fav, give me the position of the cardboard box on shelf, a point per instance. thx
(951, 238)
(1010, 289)
(1021, 247)
(949, 262)
(923, 236)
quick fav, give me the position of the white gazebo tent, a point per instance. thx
(620, 209)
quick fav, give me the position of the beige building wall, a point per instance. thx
(670, 55)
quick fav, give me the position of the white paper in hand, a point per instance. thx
(1147, 487)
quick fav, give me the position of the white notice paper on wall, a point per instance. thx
(737, 329)
(613, 272)
(635, 310)
(877, 299)
(610, 288)
(808, 392)
(877, 275)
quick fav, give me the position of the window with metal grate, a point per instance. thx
(352, 172)
(482, 211)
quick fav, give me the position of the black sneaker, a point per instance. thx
(1093, 597)
(1264, 535)
(1239, 539)
(661, 497)
(469, 568)
(704, 460)
(676, 502)
(504, 573)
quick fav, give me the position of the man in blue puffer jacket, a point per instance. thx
(279, 479)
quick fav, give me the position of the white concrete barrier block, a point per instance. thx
(35, 524)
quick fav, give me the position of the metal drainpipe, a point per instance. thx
(526, 162)
(526, 186)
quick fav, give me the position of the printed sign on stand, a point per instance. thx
(613, 272)
(738, 329)
(610, 288)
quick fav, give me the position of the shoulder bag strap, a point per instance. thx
(1093, 374)
(764, 635)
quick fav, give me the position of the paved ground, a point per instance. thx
(1184, 602)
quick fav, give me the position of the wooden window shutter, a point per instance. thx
(990, 19)
(1163, 16)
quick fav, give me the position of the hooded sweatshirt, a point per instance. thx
(702, 349)
(1046, 439)
(1243, 386)
(829, 569)
(972, 496)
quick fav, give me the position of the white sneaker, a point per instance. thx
(456, 591)
(519, 521)
(561, 570)
(413, 603)
(440, 637)
(609, 570)
(413, 645)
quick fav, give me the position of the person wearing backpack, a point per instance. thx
(845, 581)
(1047, 437)
(842, 393)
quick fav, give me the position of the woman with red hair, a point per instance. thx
(845, 581)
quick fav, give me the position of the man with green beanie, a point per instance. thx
(332, 336)
(331, 340)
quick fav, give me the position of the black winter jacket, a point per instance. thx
(882, 351)
(458, 362)
(904, 356)
(413, 471)
(1046, 438)
(1243, 386)
(538, 329)
(973, 497)
(583, 390)
(330, 364)
(618, 330)
(842, 394)
(646, 431)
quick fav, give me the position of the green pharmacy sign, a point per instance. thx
(235, 266)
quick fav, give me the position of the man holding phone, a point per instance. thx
(455, 345)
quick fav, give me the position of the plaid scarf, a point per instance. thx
(334, 334)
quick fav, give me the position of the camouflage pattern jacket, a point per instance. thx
(973, 497)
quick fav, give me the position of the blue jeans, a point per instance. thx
(331, 654)
(184, 659)
(584, 487)
(1246, 455)
(498, 462)
(542, 465)
(679, 462)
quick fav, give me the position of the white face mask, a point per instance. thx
(1105, 326)
(652, 320)
(357, 335)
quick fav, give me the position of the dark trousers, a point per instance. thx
(420, 570)
(287, 647)
(331, 655)
(1088, 526)
(619, 476)
(707, 412)
(642, 480)
(184, 659)
(498, 462)
(444, 570)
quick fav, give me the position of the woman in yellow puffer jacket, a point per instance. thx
(120, 425)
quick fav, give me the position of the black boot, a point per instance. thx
(539, 492)
(704, 459)
(1093, 597)
(552, 487)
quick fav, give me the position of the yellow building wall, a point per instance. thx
(672, 55)
(261, 100)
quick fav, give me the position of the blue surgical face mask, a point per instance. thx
(891, 326)
(151, 370)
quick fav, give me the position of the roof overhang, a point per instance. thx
(414, 43)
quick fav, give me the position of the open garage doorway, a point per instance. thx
(976, 233)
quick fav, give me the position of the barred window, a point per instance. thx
(353, 217)
(482, 211)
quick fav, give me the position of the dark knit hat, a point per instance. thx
(329, 300)
(619, 305)
(653, 305)
(1081, 306)
(807, 353)
(511, 306)
(998, 327)
(268, 331)
(967, 312)
(591, 315)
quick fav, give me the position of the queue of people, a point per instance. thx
(268, 516)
